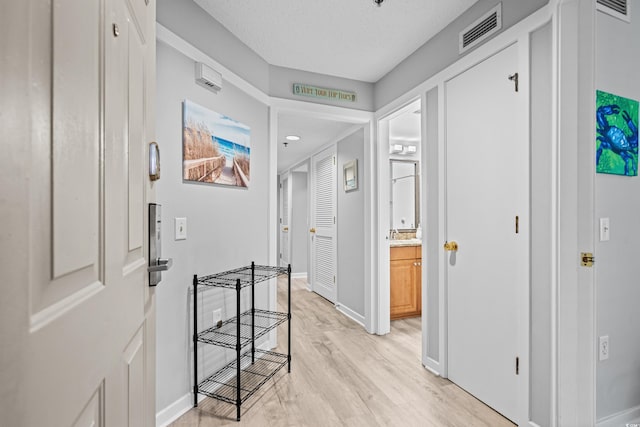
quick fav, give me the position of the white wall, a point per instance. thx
(299, 222)
(618, 198)
(227, 227)
(351, 227)
(192, 23)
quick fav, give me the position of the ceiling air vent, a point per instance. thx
(481, 29)
(616, 8)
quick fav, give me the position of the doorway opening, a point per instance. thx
(310, 190)
(405, 225)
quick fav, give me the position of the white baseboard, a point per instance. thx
(621, 419)
(432, 366)
(175, 410)
(299, 275)
(532, 424)
(359, 319)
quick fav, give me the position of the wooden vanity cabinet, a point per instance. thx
(406, 281)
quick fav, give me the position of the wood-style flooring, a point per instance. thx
(343, 376)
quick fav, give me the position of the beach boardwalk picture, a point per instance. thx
(215, 148)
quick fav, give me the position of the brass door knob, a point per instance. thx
(312, 230)
(285, 229)
(451, 246)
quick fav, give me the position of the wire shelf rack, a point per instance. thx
(229, 279)
(222, 384)
(226, 334)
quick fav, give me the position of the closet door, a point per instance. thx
(323, 228)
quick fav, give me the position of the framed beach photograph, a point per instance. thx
(215, 148)
(351, 175)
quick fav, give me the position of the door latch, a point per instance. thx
(587, 259)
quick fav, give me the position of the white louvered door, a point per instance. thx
(323, 229)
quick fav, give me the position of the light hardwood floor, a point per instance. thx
(342, 376)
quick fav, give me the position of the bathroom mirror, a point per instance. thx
(405, 194)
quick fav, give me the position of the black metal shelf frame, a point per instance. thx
(248, 373)
(225, 335)
(222, 384)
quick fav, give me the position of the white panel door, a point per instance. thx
(484, 154)
(83, 338)
(323, 228)
(285, 221)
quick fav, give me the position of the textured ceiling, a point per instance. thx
(346, 38)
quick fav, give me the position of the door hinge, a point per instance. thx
(334, 160)
(334, 220)
(517, 224)
(587, 259)
(334, 279)
(280, 186)
(280, 220)
(280, 255)
(514, 79)
(517, 366)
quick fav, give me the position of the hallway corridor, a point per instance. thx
(342, 376)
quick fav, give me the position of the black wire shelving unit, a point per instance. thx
(240, 379)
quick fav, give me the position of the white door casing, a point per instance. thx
(285, 220)
(323, 224)
(85, 331)
(484, 190)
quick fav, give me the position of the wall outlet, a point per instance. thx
(217, 317)
(604, 347)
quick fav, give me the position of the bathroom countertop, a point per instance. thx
(405, 242)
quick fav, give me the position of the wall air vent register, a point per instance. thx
(616, 8)
(487, 25)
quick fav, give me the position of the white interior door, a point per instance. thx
(285, 221)
(323, 224)
(84, 332)
(484, 154)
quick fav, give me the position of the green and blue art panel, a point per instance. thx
(616, 134)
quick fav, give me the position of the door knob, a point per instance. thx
(312, 230)
(451, 246)
(285, 229)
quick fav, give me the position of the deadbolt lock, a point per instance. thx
(451, 246)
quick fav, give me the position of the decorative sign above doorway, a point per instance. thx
(324, 93)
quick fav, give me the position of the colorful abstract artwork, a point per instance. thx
(616, 134)
(215, 148)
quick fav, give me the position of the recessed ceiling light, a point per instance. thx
(292, 138)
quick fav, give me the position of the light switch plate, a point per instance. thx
(181, 228)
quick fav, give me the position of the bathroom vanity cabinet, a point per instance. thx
(406, 281)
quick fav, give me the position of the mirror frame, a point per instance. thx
(416, 195)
